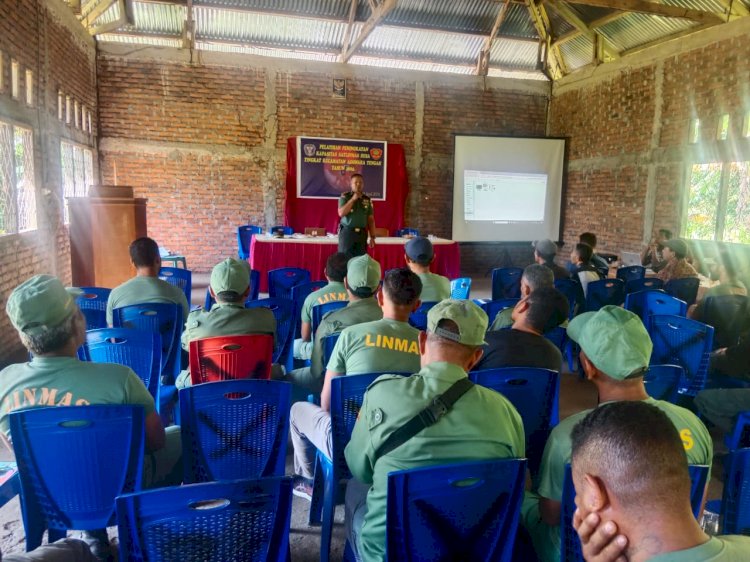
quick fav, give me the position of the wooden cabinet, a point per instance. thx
(101, 230)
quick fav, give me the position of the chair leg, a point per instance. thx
(316, 503)
(330, 490)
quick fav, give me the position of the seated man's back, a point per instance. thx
(419, 256)
(434, 287)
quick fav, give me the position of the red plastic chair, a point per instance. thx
(231, 357)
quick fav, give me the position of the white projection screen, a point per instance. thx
(507, 189)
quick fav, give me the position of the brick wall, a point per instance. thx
(46, 38)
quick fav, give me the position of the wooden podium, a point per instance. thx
(102, 226)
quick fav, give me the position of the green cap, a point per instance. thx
(41, 303)
(230, 275)
(363, 272)
(471, 321)
(614, 340)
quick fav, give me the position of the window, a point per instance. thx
(722, 132)
(60, 105)
(68, 109)
(17, 189)
(76, 114)
(695, 131)
(746, 126)
(2, 71)
(719, 202)
(14, 69)
(29, 87)
(77, 164)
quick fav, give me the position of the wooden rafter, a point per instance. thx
(653, 8)
(103, 5)
(678, 35)
(75, 5)
(483, 61)
(601, 42)
(735, 8)
(381, 10)
(188, 28)
(554, 60)
(349, 25)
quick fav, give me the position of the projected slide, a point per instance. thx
(504, 197)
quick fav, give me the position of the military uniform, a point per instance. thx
(334, 291)
(142, 289)
(726, 548)
(434, 287)
(481, 425)
(353, 226)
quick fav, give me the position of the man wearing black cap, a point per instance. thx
(419, 255)
(675, 251)
(544, 254)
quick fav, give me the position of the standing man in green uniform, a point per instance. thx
(357, 219)
(482, 424)
(333, 291)
(51, 326)
(630, 471)
(419, 256)
(145, 287)
(615, 354)
(381, 346)
(229, 286)
(361, 282)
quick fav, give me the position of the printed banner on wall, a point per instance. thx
(325, 167)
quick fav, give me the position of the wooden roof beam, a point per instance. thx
(594, 36)
(350, 25)
(382, 9)
(734, 9)
(89, 19)
(113, 25)
(555, 65)
(646, 7)
(483, 61)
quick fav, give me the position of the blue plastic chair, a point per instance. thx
(418, 318)
(281, 281)
(234, 429)
(73, 462)
(93, 305)
(574, 293)
(663, 381)
(631, 273)
(492, 308)
(320, 310)
(685, 342)
(466, 511)
(535, 394)
(253, 296)
(647, 303)
(506, 283)
(558, 336)
(239, 520)
(285, 230)
(137, 349)
(329, 342)
(461, 288)
(735, 503)
(740, 436)
(244, 238)
(283, 311)
(645, 284)
(729, 315)
(299, 294)
(603, 292)
(407, 232)
(685, 289)
(182, 278)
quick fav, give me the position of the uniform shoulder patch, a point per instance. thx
(193, 320)
(375, 418)
(383, 378)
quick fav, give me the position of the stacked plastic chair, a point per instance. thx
(647, 303)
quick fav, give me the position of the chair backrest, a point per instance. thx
(461, 288)
(182, 278)
(93, 305)
(466, 511)
(574, 293)
(299, 293)
(164, 319)
(603, 292)
(253, 296)
(243, 520)
(223, 358)
(735, 504)
(685, 342)
(329, 342)
(647, 303)
(663, 381)
(557, 336)
(285, 230)
(244, 237)
(644, 284)
(631, 273)
(283, 312)
(320, 310)
(493, 307)
(73, 462)
(506, 283)
(534, 392)
(728, 314)
(418, 318)
(685, 289)
(281, 281)
(698, 481)
(740, 436)
(140, 350)
(234, 429)
(407, 232)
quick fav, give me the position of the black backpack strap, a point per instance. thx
(427, 417)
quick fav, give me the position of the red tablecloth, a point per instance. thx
(271, 253)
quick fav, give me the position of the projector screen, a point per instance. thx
(507, 189)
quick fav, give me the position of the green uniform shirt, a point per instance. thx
(334, 291)
(361, 211)
(481, 425)
(727, 548)
(382, 346)
(66, 381)
(435, 288)
(140, 290)
(227, 320)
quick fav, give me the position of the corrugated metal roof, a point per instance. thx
(636, 29)
(320, 8)
(266, 51)
(411, 65)
(157, 18)
(514, 54)
(142, 40)
(447, 47)
(577, 52)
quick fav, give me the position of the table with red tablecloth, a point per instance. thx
(267, 253)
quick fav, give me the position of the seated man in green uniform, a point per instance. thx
(145, 287)
(361, 282)
(630, 471)
(419, 255)
(52, 328)
(615, 354)
(229, 286)
(333, 291)
(357, 219)
(381, 346)
(482, 424)
(535, 276)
